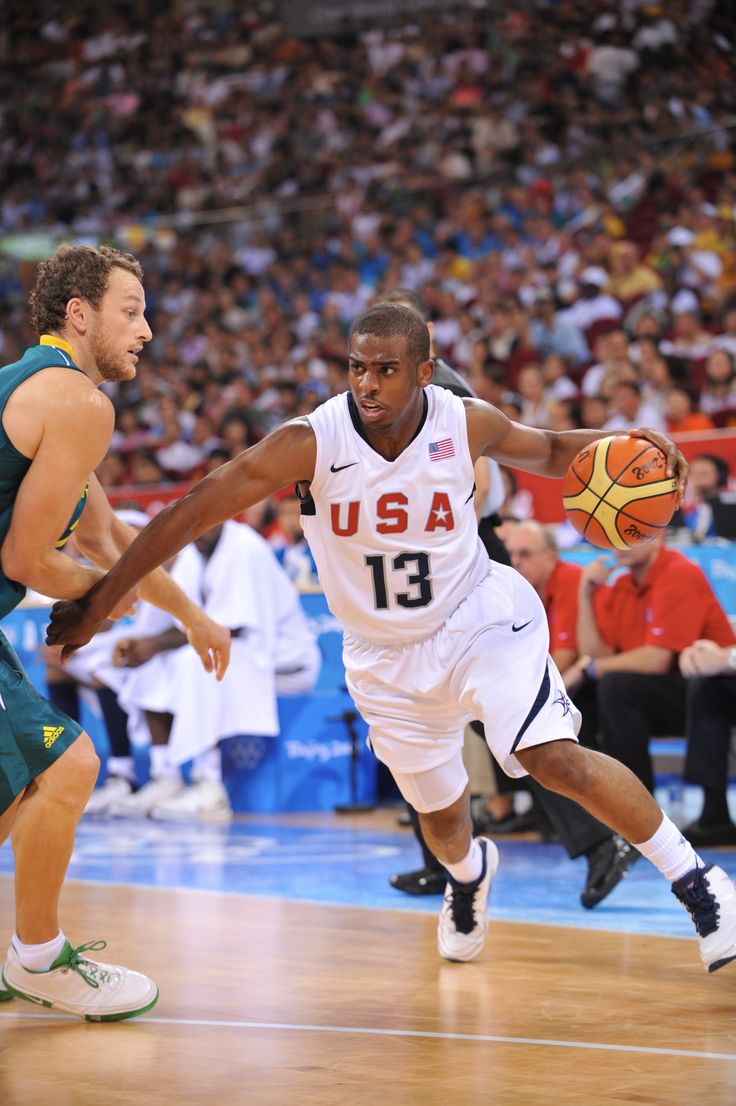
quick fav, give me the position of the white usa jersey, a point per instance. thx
(396, 542)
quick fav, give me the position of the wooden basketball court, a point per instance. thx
(267, 1002)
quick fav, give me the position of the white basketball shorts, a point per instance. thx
(489, 661)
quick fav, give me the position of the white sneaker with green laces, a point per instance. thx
(463, 921)
(94, 991)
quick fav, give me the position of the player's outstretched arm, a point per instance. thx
(286, 456)
(545, 452)
(548, 452)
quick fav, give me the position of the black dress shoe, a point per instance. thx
(697, 834)
(608, 863)
(425, 881)
(531, 821)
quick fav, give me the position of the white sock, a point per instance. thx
(39, 958)
(161, 766)
(670, 852)
(121, 766)
(208, 767)
(469, 869)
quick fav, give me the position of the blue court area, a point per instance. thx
(536, 882)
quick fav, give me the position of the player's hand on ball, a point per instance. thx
(677, 466)
(619, 492)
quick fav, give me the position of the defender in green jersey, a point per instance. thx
(55, 426)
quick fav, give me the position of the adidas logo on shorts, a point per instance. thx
(50, 734)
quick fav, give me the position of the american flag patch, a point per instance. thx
(439, 451)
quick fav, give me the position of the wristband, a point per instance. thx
(590, 672)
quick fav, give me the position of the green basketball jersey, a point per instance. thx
(13, 464)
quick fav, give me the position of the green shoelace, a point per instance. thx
(72, 960)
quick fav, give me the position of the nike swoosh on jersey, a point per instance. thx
(339, 468)
(515, 629)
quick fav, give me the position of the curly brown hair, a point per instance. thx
(81, 271)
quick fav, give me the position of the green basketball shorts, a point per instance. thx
(33, 733)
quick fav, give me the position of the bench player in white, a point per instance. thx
(435, 633)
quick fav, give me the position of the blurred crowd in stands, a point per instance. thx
(556, 179)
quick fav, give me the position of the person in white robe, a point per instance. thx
(232, 573)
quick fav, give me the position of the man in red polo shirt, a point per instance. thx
(533, 553)
(630, 635)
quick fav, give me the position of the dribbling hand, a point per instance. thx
(677, 466)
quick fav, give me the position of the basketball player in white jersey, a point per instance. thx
(434, 632)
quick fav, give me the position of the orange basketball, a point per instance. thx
(616, 492)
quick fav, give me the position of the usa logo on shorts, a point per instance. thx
(439, 451)
(562, 701)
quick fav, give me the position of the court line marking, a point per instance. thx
(481, 1038)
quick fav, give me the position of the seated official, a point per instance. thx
(630, 635)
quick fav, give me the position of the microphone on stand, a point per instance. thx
(349, 718)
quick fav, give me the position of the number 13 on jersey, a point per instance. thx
(419, 583)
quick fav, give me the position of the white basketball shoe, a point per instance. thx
(463, 921)
(89, 989)
(709, 897)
